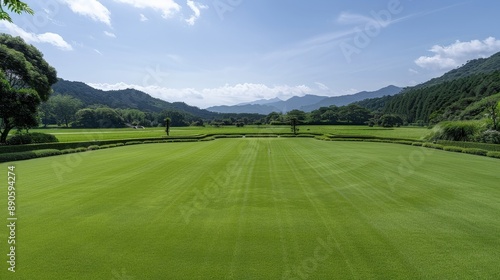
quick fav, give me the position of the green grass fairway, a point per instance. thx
(256, 209)
(76, 135)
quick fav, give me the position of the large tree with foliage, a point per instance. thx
(25, 81)
(64, 108)
(167, 126)
(15, 6)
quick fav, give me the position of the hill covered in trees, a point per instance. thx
(457, 95)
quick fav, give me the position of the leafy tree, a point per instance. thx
(46, 113)
(64, 108)
(297, 114)
(329, 116)
(25, 81)
(354, 114)
(390, 120)
(15, 6)
(86, 118)
(273, 117)
(493, 108)
(108, 118)
(167, 126)
(294, 122)
(102, 117)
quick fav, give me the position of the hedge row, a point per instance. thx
(473, 145)
(74, 145)
(8, 157)
(473, 151)
(370, 137)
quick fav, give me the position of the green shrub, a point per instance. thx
(69, 151)
(457, 130)
(453, 149)
(31, 138)
(133, 142)
(93, 148)
(107, 146)
(120, 144)
(489, 136)
(17, 156)
(483, 146)
(404, 142)
(81, 149)
(418, 144)
(493, 154)
(47, 152)
(473, 151)
(433, 146)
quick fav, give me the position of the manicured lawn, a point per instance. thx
(76, 135)
(257, 209)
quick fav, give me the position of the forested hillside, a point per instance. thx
(448, 97)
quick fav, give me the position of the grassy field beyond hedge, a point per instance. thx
(257, 209)
(78, 135)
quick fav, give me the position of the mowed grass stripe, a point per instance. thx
(260, 209)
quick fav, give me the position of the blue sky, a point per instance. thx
(224, 52)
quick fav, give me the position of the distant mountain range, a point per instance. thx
(125, 99)
(305, 103)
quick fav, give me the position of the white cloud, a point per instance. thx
(109, 34)
(90, 8)
(143, 18)
(454, 55)
(225, 95)
(196, 8)
(167, 7)
(98, 52)
(322, 86)
(48, 37)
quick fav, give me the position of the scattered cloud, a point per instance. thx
(98, 52)
(347, 18)
(322, 86)
(90, 8)
(454, 55)
(48, 37)
(109, 34)
(167, 7)
(143, 18)
(227, 94)
(196, 8)
(413, 71)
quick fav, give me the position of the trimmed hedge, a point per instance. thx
(453, 149)
(31, 138)
(476, 145)
(433, 146)
(29, 155)
(478, 152)
(84, 144)
(493, 154)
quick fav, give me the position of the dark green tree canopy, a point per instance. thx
(25, 81)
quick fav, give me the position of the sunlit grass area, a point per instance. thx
(257, 209)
